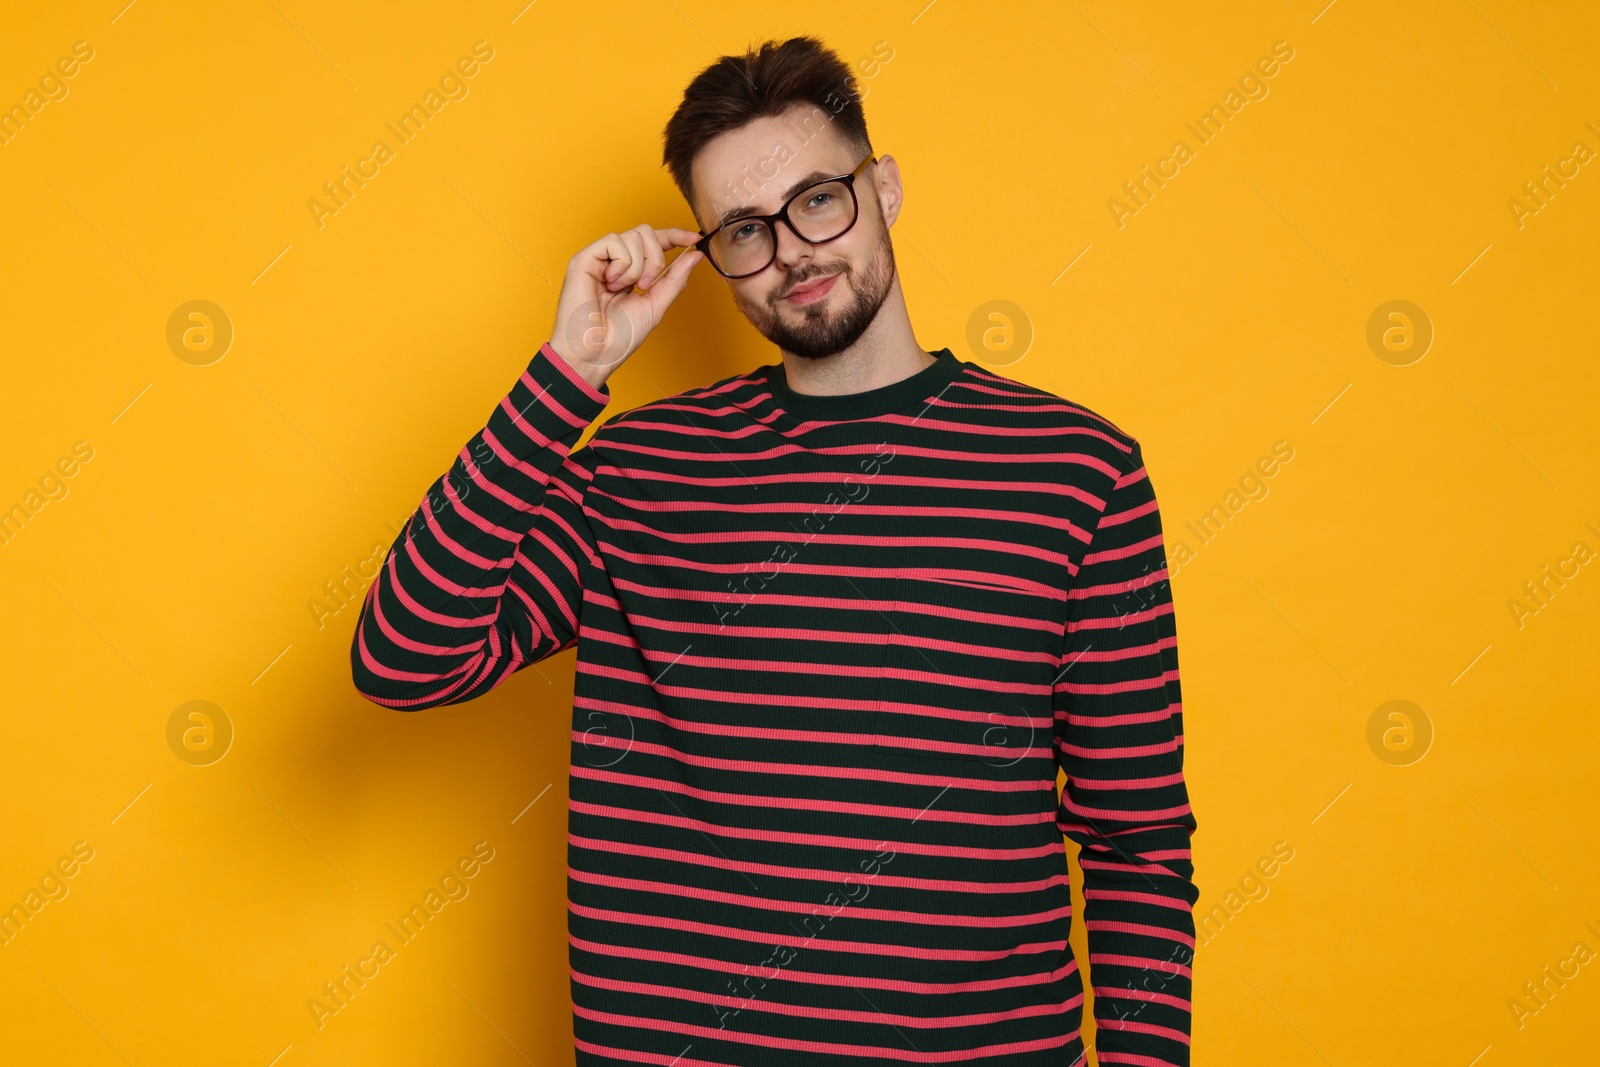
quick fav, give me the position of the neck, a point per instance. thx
(886, 353)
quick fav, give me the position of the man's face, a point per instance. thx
(813, 300)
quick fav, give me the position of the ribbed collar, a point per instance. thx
(880, 401)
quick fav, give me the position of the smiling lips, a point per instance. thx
(812, 291)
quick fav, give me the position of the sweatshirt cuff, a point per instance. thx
(601, 396)
(549, 406)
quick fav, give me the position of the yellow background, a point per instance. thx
(1226, 315)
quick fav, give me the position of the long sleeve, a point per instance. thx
(1119, 738)
(488, 574)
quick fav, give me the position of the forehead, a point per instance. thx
(756, 165)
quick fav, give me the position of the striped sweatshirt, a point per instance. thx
(833, 653)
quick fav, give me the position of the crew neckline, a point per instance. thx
(871, 402)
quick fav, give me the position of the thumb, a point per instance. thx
(670, 284)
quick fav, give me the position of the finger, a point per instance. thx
(673, 237)
(619, 261)
(623, 280)
(670, 284)
(655, 261)
(596, 259)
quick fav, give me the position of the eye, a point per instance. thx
(745, 232)
(819, 199)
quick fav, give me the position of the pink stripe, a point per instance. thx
(815, 978)
(821, 840)
(850, 670)
(717, 433)
(1132, 1059)
(747, 800)
(454, 547)
(407, 643)
(1127, 897)
(507, 457)
(979, 429)
(1117, 519)
(660, 1059)
(1088, 592)
(798, 509)
(857, 738)
(821, 944)
(417, 609)
(397, 589)
(1146, 995)
(1060, 407)
(546, 400)
(440, 581)
(460, 507)
(1134, 1026)
(651, 559)
(866, 605)
(1117, 867)
(715, 537)
(524, 426)
(845, 637)
(997, 459)
(1007, 387)
(696, 859)
(921, 1022)
(784, 700)
(1132, 685)
(1157, 782)
(572, 375)
(873, 774)
(1142, 929)
(1056, 488)
(826, 1047)
(1132, 478)
(1121, 752)
(560, 555)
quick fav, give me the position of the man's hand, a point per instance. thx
(600, 319)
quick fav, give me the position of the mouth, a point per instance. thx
(811, 291)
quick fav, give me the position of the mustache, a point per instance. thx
(797, 280)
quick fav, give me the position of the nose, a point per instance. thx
(791, 250)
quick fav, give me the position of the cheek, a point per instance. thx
(864, 254)
(757, 291)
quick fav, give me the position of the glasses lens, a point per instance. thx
(824, 211)
(742, 247)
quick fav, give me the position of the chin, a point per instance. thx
(834, 323)
(827, 307)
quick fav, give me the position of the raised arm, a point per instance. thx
(1119, 737)
(488, 574)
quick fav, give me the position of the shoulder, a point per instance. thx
(1085, 430)
(691, 407)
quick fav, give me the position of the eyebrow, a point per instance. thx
(799, 184)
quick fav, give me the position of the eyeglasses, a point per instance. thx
(748, 244)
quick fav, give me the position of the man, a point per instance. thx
(840, 620)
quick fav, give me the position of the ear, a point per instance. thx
(886, 183)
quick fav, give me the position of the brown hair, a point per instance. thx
(736, 90)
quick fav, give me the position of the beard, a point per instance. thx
(818, 334)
